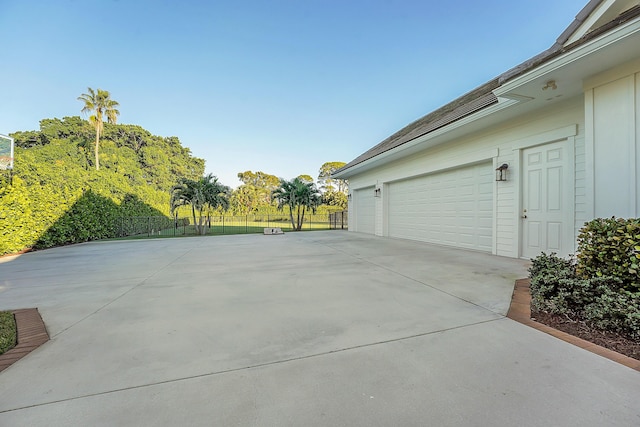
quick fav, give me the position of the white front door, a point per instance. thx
(547, 200)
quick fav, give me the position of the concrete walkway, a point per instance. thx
(305, 329)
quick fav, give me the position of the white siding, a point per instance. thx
(497, 143)
(614, 150)
(611, 154)
(379, 209)
(581, 203)
(507, 206)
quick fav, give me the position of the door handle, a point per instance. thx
(523, 216)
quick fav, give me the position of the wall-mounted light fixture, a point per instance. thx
(377, 192)
(501, 172)
(349, 196)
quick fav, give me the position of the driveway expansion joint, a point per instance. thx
(250, 367)
(122, 295)
(413, 279)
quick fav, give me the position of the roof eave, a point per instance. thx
(428, 140)
(552, 58)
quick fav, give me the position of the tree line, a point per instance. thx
(206, 196)
(260, 193)
(71, 172)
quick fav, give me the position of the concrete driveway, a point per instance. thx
(305, 329)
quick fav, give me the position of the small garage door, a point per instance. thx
(365, 210)
(452, 208)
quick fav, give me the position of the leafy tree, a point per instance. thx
(43, 207)
(101, 104)
(299, 196)
(28, 139)
(332, 184)
(205, 193)
(132, 136)
(259, 179)
(245, 199)
(73, 128)
(306, 178)
(335, 198)
(260, 185)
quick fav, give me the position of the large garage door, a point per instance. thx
(365, 210)
(451, 208)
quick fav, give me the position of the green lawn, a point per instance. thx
(231, 226)
(8, 332)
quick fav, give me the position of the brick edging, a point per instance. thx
(520, 311)
(31, 334)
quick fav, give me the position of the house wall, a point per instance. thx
(612, 105)
(502, 144)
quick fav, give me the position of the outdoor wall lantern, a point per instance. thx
(501, 172)
(349, 196)
(377, 192)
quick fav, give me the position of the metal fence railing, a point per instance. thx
(160, 226)
(339, 220)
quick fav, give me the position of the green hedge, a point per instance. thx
(56, 196)
(46, 216)
(93, 217)
(600, 286)
(611, 247)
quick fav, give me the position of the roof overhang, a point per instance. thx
(468, 124)
(570, 69)
(529, 91)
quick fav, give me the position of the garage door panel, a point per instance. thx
(365, 210)
(466, 224)
(486, 188)
(452, 208)
(465, 190)
(485, 241)
(468, 206)
(485, 205)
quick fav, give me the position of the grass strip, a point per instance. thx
(8, 332)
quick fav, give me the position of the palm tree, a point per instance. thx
(299, 196)
(101, 104)
(205, 193)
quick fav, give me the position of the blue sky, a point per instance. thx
(277, 86)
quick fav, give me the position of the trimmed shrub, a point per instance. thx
(615, 311)
(557, 288)
(547, 272)
(611, 247)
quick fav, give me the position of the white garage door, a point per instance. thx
(365, 210)
(452, 208)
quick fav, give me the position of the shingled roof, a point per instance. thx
(483, 96)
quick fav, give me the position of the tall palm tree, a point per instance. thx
(205, 193)
(299, 195)
(101, 104)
